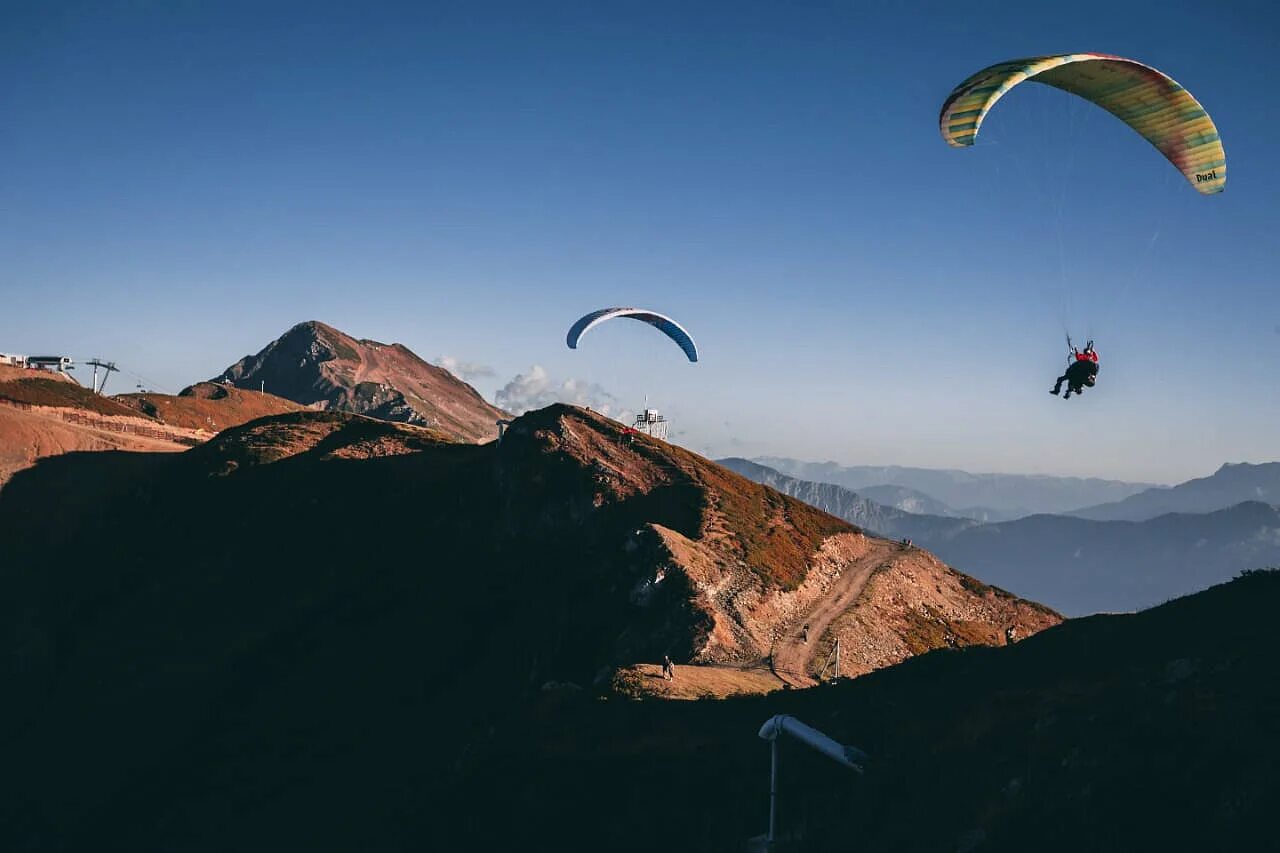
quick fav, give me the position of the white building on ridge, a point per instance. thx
(651, 423)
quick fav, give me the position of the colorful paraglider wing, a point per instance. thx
(669, 327)
(1154, 105)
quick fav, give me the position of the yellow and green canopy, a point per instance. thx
(1153, 104)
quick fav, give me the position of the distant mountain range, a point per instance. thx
(911, 500)
(1076, 565)
(888, 521)
(1228, 486)
(986, 497)
(1080, 566)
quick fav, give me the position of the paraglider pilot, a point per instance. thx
(1083, 371)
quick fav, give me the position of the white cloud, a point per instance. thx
(535, 389)
(464, 370)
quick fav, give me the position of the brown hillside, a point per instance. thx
(45, 414)
(320, 435)
(756, 565)
(29, 435)
(318, 366)
(314, 598)
(208, 406)
(915, 603)
(44, 388)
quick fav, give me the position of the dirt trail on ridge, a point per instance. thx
(791, 654)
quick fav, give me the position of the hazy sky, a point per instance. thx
(183, 181)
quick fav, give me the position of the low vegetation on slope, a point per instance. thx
(777, 534)
(33, 389)
(773, 535)
(207, 406)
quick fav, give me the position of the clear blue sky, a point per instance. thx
(183, 181)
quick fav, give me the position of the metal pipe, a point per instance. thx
(773, 790)
(849, 756)
(773, 729)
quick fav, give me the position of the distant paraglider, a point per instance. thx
(669, 327)
(1153, 104)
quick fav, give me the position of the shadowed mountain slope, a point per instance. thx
(313, 598)
(1153, 731)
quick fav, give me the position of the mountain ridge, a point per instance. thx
(978, 495)
(1231, 484)
(316, 365)
(1083, 566)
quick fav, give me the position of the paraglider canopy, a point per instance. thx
(1150, 102)
(669, 327)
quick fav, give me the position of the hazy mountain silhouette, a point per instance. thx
(1079, 566)
(981, 496)
(1228, 486)
(852, 506)
(908, 500)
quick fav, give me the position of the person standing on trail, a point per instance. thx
(668, 668)
(804, 632)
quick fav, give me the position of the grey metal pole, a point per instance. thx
(837, 658)
(773, 790)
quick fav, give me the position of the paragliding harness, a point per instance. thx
(1082, 370)
(1087, 355)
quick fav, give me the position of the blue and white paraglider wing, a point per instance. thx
(669, 327)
